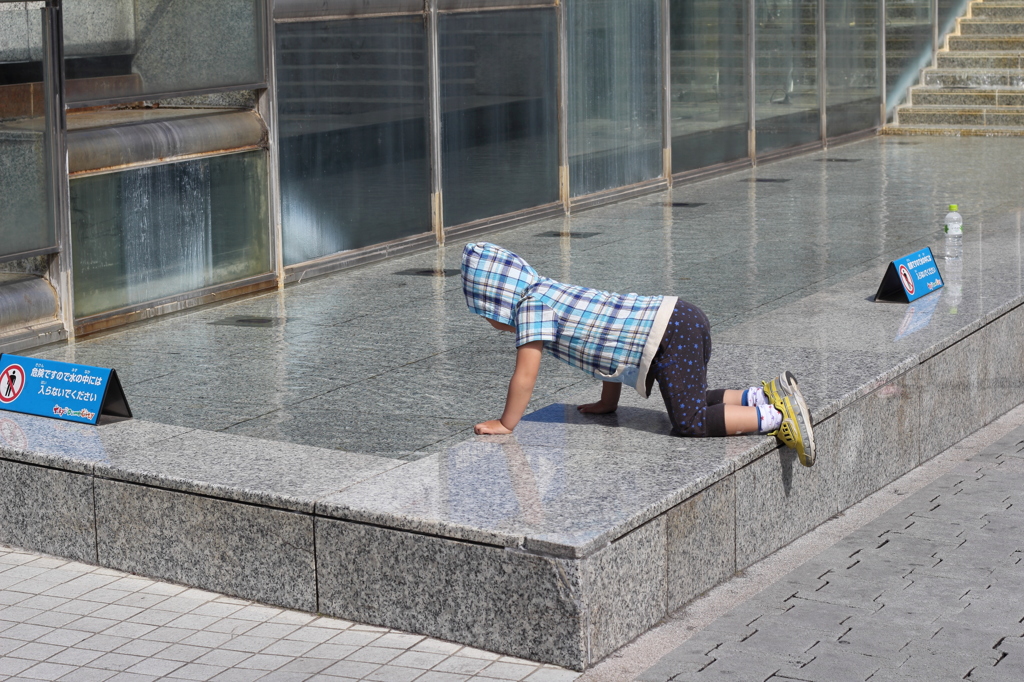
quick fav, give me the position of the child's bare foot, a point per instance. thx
(493, 427)
(597, 408)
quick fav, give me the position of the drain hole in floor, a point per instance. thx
(573, 235)
(249, 321)
(687, 204)
(431, 272)
(766, 180)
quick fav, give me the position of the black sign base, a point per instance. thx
(114, 404)
(891, 289)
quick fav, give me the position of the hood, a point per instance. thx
(494, 281)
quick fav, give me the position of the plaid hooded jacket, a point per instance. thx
(612, 337)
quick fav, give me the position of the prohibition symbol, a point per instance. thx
(12, 380)
(908, 281)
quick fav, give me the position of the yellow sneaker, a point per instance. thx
(780, 387)
(795, 430)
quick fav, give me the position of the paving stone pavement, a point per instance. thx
(63, 620)
(930, 590)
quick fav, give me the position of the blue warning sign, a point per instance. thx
(61, 390)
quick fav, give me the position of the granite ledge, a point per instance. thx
(835, 406)
(982, 322)
(119, 438)
(242, 469)
(72, 446)
(47, 461)
(440, 529)
(205, 489)
(425, 512)
(578, 546)
(762, 446)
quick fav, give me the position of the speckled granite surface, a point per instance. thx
(334, 446)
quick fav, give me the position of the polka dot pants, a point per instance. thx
(680, 368)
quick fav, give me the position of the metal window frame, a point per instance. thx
(266, 107)
(315, 11)
(488, 5)
(52, 93)
(264, 9)
(666, 91)
(531, 213)
(882, 73)
(751, 74)
(562, 33)
(61, 271)
(822, 74)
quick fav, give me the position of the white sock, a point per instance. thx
(754, 397)
(768, 418)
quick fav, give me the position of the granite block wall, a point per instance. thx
(499, 599)
(1006, 358)
(700, 542)
(878, 439)
(568, 611)
(624, 590)
(242, 550)
(47, 510)
(778, 499)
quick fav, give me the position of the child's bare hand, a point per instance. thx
(493, 427)
(599, 407)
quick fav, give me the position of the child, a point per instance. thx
(622, 339)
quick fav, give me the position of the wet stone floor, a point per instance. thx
(386, 360)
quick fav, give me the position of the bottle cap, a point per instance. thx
(952, 207)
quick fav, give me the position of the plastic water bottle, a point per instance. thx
(953, 280)
(954, 234)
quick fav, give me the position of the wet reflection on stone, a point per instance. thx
(919, 314)
(20, 432)
(370, 360)
(559, 484)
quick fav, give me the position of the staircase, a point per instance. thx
(977, 84)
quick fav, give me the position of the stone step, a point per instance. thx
(986, 43)
(980, 60)
(961, 116)
(983, 27)
(955, 131)
(974, 78)
(996, 3)
(983, 10)
(965, 97)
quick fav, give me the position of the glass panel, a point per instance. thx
(908, 46)
(352, 103)
(500, 112)
(615, 105)
(26, 222)
(709, 98)
(152, 232)
(136, 48)
(787, 74)
(854, 96)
